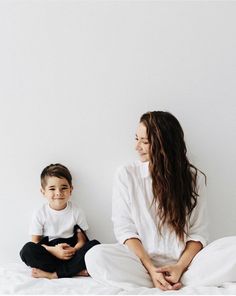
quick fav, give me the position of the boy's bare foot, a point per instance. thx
(83, 273)
(38, 273)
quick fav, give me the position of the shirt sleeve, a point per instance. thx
(81, 219)
(198, 223)
(124, 226)
(36, 225)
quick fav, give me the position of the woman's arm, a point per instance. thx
(190, 251)
(174, 272)
(136, 247)
(158, 278)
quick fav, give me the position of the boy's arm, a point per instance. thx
(36, 238)
(81, 240)
(61, 251)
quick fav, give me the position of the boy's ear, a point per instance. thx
(71, 189)
(42, 190)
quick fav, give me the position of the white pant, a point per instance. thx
(115, 265)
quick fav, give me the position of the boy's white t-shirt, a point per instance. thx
(57, 224)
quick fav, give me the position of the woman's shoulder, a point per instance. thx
(133, 168)
(128, 166)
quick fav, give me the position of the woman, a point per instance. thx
(158, 214)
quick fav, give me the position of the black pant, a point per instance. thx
(35, 255)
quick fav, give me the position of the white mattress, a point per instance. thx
(16, 279)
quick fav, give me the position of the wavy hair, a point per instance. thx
(174, 178)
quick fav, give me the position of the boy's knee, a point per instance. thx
(94, 242)
(27, 250)
(91, 244)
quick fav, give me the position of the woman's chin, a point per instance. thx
(143, 159)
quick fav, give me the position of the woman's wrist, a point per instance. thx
(147, 263)
(182, 266)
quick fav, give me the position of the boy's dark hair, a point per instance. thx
(55, 170)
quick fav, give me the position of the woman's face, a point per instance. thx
(142, 144)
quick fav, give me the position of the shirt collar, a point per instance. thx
(144, 167)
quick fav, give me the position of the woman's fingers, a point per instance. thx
(164, 269)
(177, 286)
(164, 280)
(162, 283)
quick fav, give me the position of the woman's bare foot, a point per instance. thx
(38, 273)
(83, 273)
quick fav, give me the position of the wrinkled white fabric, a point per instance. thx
(116, 266)
(134, 215)
(16, 279)
(214, 265)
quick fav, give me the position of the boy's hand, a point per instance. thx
(63, 251)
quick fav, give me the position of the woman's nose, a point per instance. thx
(137, 146)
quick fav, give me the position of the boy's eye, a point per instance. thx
(52, 189)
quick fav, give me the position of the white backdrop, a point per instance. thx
(75, 77)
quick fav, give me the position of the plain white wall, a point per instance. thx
(75, 76)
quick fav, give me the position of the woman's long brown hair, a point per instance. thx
(174, 178)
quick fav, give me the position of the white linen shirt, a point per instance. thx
(133, 215)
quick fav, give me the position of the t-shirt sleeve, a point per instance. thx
(198, 223)
(124, 226)
(36, 225)
(81, 219)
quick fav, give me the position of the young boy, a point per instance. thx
(59, 242)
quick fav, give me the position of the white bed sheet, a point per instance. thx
(16, 279)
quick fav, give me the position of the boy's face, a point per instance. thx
(57, 191)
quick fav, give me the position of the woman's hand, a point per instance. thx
(160, 280)
(172, 273)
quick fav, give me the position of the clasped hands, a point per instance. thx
(63, 251)
(167, 277)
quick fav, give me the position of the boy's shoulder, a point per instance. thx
(44, 210)
(40, 210)
(74, 207)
